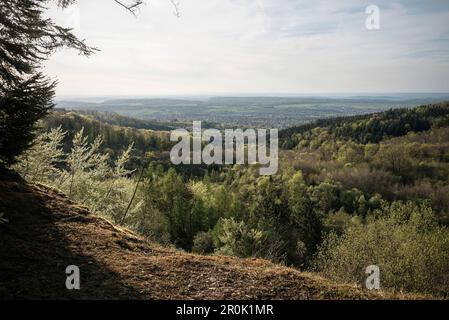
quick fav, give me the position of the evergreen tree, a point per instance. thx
(27, 40)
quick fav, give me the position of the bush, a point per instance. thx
(203, 243)
(338, 222)
(150, 223)
(411, 250)
(237, 239)
(85, 174)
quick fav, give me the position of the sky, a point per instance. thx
(254, 47)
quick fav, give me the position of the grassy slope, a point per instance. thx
(46, 232)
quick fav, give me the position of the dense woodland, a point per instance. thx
(340, 201)
(113, 118)
(372, 128)
(117, 133)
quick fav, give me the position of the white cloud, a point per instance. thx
(256, 46)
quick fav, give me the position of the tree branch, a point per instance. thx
(132, 8)
(176, 8)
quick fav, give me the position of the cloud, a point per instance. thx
(262, 46)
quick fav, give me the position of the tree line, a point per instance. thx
(372, 128)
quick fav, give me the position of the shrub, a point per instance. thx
(84, 174)
(203, 243)
(237, 239)
(150, 223)
(411, 250)
(338, 222)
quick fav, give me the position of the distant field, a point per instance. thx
(270, 112)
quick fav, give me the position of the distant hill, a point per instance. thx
(372, 128)
(113, 118)
(118, 132)
(253, 111)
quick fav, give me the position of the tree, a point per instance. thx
(237, 239)
(27, 40)
(403, 239)
(203, 243)
(39, 162)
(305, 221)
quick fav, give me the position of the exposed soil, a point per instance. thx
(46, 232)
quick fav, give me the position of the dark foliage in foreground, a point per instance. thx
(27, 40)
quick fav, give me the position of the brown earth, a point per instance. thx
(46, 232)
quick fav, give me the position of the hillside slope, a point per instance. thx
(46, 232)
(372, 128)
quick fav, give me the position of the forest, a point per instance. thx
(342, 198)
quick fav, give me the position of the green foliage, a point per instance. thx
(83, 174)
(188, 207)
(305, 221)
(150, 223)
(39, 163)
(115, 138)
(237, 239)
(27, 40)
(404, 240)
(22, 104)
(372, 128)
(338, 222)
(116, 119)
(203, 243)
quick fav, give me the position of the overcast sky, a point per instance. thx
(255, 46)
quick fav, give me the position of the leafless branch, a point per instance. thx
(176, 8)
(132, 7)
